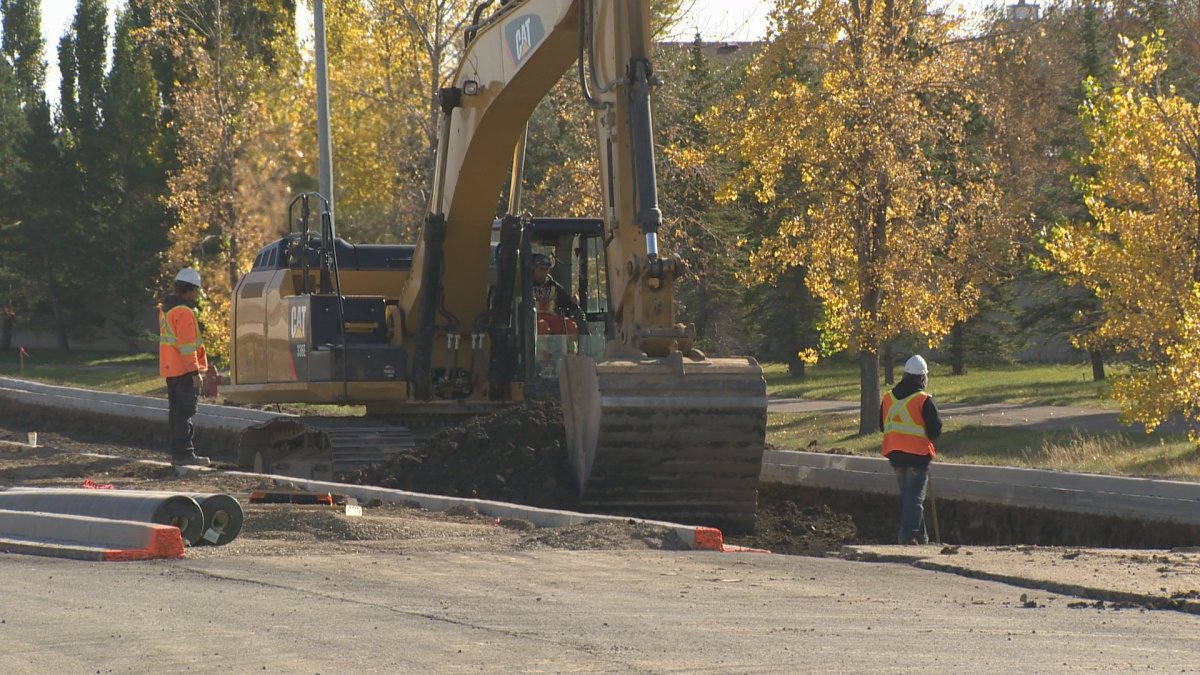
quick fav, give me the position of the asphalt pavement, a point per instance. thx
(560, 611)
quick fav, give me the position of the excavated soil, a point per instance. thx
(518, 455)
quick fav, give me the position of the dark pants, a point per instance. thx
(182, 396)
(913, 481)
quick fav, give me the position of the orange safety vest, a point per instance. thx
(904, 425)
(180, 346)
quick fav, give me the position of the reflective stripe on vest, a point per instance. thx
(904, 426)
(166, 332)
(899, 420)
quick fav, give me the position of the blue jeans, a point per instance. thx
(913, 481)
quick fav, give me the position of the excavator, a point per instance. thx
(449, 327)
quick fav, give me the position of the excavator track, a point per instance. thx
(321, 448)
(667, 439)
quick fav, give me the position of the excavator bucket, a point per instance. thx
(667, 438)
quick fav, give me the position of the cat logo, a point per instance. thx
(524, 34)
(299, 320)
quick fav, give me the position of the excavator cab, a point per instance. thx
(566, 311)
(554, 311)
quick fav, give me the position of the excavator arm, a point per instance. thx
(655, 429)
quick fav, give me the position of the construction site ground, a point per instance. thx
(309, 589)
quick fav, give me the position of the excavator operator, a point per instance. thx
(555, 306)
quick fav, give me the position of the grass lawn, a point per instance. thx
(1123, 454)
(1041, 384)
(106, 371)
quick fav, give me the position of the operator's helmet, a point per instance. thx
(541, 260)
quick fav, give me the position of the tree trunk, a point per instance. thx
(958, 349)
(60, 322)
(889, 365)
(796, 366)
(1097, 365)
(132, 334)
(869, 398)
(7, 325)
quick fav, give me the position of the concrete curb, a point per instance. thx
(86, 538)
(691, 536)
(145, 408)
(1135, 498)
(162, 508)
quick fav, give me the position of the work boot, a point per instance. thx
(191, 459)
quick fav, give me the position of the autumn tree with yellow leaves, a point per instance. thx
(859, 128)
(387, 60)
(235, 111)
(1140, 251)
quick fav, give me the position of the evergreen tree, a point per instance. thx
(1040, 78)
(22, 46)
(135, 227)
(84, 185)
(12, 130)
(45, 248)
(83, 52)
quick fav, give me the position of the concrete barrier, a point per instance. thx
(1133, 498)
(86, 538)
(145, 408)
(161, 508)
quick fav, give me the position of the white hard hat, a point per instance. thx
(916, 366)
(189, 276)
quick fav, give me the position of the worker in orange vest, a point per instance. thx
(182, 360)
(910, 423)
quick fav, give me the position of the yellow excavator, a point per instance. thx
(453, 326)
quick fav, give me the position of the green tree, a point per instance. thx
(39, 246)
(43, 244)
(895, 212)
(21, 47)
(83, 51)
(135, 221)
(13, 129)
(703, 232)
(85, 185)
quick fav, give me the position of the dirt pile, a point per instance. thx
(784, 526)
(518, 454)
